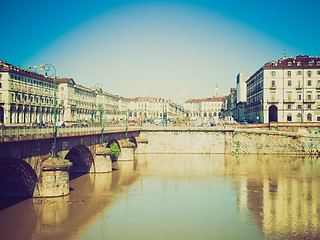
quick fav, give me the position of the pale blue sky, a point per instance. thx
(172, 49)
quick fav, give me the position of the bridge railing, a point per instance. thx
(23, 131)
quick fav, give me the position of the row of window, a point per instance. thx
(298, 116)
(311, 63)
(299, 73)
(299, 107)
(32, 81)
(28, 98)
(289, 83)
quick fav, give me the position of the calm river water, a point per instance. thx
(179, 197)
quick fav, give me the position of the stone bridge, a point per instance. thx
(28, 167)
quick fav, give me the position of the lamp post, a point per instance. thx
(47, 67)
(99, 85)
(126, 119)
(124, 96)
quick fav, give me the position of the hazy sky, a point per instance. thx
(172, 49)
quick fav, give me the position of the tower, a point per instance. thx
(216, 92)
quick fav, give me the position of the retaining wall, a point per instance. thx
(229, 141)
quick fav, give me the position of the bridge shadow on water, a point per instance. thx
(6, 201)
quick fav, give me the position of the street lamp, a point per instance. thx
(99, 85)
(47, 67)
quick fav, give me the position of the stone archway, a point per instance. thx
(273, 114)
(17, 178)
(81, 158)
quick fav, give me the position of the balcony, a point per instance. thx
(299, 87)
(288, 101)
(273, 101)
(318, 87)
(309, 100)
(273, 87)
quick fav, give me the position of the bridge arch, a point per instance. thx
(81, 158)
(17, 178)
(134, 141)
(112, 141)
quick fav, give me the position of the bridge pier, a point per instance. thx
(127, 151)
(103, 162)
(54, 179)
(142, 144)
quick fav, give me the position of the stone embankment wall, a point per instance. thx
(213, 141)
(274, 142)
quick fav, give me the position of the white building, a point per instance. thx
(204, 109)
(25, 96)
(153, 108)
(287, 90)
(28, 97)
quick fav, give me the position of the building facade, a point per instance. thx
(204, 109)
(153, 108)
(27, 97)
(287, 90)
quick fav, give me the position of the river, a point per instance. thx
(177, 196)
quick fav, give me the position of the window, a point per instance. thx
(289, 63)
(289, 106)
(309, 82)
(289, 96)
(309, 117)
(309, 73)
(309, 97)
(309, 106)
(318, 96)
(289, 73)
(318, 72)
(299, 63)
(299, 97)
(299, 73)
(310, 63)
(289, 118)
(273, 83)
(318, 118)
(289, 83)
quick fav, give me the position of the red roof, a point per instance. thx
(214, 99)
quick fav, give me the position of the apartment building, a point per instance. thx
(287, 90)
(26, 96)
(153, 108)
(204, 109)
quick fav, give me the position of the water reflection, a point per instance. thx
(181, 197)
